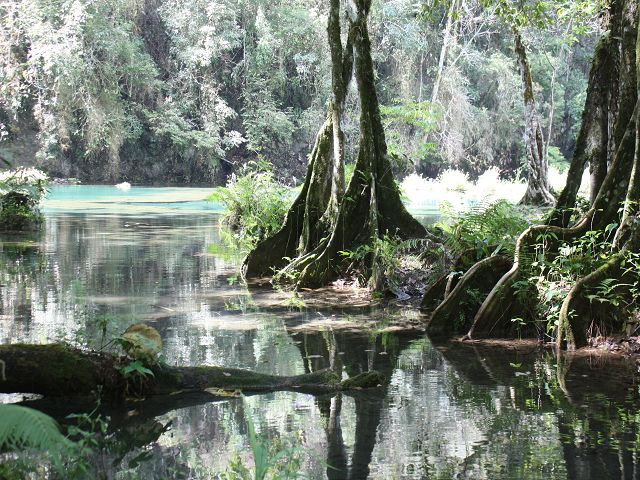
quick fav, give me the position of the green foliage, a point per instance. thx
(20, 193)
(554, 276)
(166, 90)
(26, 428)
(557, 160)
(485, 228)
(30, 182)
(384, 255)
(255, 204)
(407, 126)
(135, 368)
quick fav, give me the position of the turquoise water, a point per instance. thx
(135, 201)
(108, 259)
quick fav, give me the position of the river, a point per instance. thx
(108, 258)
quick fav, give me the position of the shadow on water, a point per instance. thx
(445, 411)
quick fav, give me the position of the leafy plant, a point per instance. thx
(385, 255)
(485, 228)
(553, 277)
(255, 204)
(135, 368)
(26, 428)
(20, 193)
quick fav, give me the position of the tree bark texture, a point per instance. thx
(538, 191)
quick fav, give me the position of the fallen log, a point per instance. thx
(56, 370)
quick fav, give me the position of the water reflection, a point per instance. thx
(447, 411)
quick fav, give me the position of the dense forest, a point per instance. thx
(161, 91)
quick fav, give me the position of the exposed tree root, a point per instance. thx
(491, 315)
(609, 139)
(434, 295)
(574, 317)
(453, 314)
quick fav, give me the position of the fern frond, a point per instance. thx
(23, 427)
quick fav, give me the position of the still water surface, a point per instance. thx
(108, 259)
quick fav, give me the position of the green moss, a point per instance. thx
(56, 369)
(364, 380)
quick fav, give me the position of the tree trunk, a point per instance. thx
(443, 50)
(621, 186)
(593, 138)
(310, 217)
(61, 370)
(538, 191)
(371, 206)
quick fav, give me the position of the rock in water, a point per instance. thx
(142, 342)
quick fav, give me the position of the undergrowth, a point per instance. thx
(255, 204)
(552, 277)
(21, 191)
(485, 228)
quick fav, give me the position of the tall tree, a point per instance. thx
(371, 206)
(620, 187)
(538, 191)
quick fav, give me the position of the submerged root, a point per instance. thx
(451, 316)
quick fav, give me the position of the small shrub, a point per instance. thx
(485, 228)
(21, 191)
(255, 204)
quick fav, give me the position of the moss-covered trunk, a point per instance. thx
(61, 370)
(371, 205)
(538, 191)
(314, 211)
(593, 139)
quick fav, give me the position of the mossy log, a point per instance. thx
(61, 370)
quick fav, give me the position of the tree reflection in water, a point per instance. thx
(446, 411)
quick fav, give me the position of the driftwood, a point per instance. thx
(57, 370)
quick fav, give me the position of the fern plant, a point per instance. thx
(255, 204)
(26, 428)
(484, 227)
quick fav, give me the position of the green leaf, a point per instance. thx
(135, 367)
(23, 427)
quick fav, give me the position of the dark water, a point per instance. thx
(448, 411)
